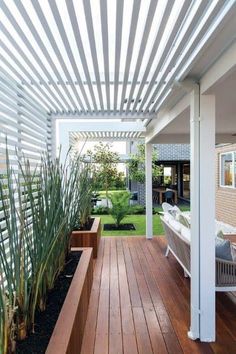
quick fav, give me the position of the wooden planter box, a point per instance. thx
(68, 332)
(88, 238)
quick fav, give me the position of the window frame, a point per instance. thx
(233, 153)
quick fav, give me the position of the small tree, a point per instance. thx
(136, 165)
(104, 166)
(120, 206)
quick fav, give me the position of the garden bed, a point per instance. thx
(121, 227)
(88, 238)
(59, 329)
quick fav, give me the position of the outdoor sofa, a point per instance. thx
(179, 245)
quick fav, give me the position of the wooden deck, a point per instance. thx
(140, 303)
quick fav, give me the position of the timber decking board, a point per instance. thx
(140, 303)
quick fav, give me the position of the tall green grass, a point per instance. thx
(40, 206)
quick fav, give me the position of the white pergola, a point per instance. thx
(119, 70)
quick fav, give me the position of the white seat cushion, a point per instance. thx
(186, 233)
(175, 224)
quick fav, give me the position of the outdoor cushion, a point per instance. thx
(186, 233)
(223, 249)
(167, 217)
(175, 224)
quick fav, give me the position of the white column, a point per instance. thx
(207, 218)
(202, 133)
(62, 140)
(194, 332)
(148, 181)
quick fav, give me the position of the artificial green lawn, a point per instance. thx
(139, 222)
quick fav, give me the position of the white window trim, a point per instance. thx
(233, 152)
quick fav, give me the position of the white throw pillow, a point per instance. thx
(186, 233)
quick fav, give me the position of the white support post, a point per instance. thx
(195, 217)
(62, 141)
(148, 179)
(207, 218)
(202, 133)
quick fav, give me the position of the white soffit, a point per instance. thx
(113, 58)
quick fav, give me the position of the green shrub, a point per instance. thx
(100, 210)
(137, 209)
(120, 206)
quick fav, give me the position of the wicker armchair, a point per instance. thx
(180, 248)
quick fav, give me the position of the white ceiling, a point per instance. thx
(225, 93)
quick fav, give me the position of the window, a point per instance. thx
(228, 169)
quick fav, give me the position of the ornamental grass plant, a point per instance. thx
(120, 206)
(39, 206)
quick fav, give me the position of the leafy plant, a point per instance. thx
(100, 210)
(86, 194)
(136, 209)
(136, 165)
(120, 206)
(104, 162)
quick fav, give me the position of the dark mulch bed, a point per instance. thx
(122, 227)
(45, 321)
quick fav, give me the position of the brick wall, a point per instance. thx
(225, 197)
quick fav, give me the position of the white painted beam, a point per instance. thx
(78, 126)
(100, 116)
(222, 68)
(165, 118)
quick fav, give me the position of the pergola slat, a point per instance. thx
(33, 52)
(48, 69)
(66, 43)
(23, 69)
(92, 43)
(195, 39)
(132, 33)
(119, 23)
(161, 28)
(79, 43)
(105, 43)
(54, 45)
(180, 17)
(67, 98)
